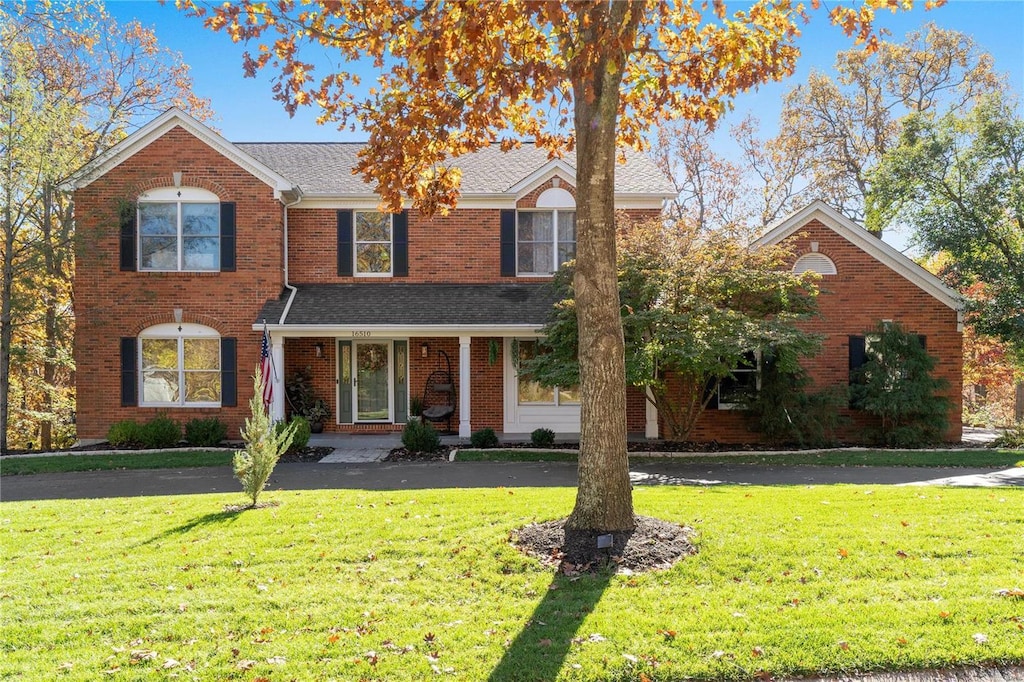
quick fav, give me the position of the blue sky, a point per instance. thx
(246, 111)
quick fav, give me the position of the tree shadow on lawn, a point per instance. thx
(539, 650)
(229, 515)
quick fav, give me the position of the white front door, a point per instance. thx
(372, 385)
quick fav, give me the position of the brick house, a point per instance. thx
(189, 246)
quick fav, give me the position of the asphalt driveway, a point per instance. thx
(420, 475)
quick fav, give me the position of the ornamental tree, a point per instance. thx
(572, 76)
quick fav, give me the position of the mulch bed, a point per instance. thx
(407, 455)
(653, 545)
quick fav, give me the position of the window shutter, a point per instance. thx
(227, 236)
(858, 354)
(228, 371)
(508, 243)
(129, 375)
(400, 244)
(344, 243)
(922, 339)
(128, 234)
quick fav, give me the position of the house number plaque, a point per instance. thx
(362, 334)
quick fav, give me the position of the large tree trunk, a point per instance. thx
(604, 500)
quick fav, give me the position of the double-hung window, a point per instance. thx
(179, 230)
(373, 244)
(180, 366)
(742, 383)
(544, 241)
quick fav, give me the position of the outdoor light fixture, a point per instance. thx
(319, 350)
(424, 350)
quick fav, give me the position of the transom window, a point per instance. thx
(816, 262)
(531, 392)
(373, 242)
(544, 240)
(180, 366)
(179, 229)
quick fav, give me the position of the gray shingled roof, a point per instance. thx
(325, 168)
(414, 304)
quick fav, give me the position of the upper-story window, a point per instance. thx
(180, 366)
(179, 230)
(544, 240)
(373, 244)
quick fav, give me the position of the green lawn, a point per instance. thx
(975, 457)
(13, 466)
(352, 585)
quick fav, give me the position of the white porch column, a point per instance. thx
(651, 427)
(277, 356)
(464, 428)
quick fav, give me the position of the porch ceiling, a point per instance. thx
(401, 304)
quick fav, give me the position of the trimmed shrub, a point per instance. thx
(127, 433)
(484, 438)
(420, 436)
(160, 432)
(542, 438)
(205, 433)
(1013, 437)
(300, 431)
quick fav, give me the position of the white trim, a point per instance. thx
(861, 238)
(171, 196)
(555, 197)
(495, 201)
(351, 332)
(356, 242)
(153, 131)
(562, 419)
(187, 195)
(815, 262)
(465, 371)
(179, 333)
(554, 238)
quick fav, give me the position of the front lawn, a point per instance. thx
(410, 585)
(973, 457)
(13, 466)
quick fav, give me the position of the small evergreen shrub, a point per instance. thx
(160, 432)
(896, 385)
(483, 439)
(420, 436)
(126, 433)
(542, 438)
(264, 445)
(300, 429)
(205, 433)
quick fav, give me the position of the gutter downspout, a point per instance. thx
(289, 287)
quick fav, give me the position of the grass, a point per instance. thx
(976, 457)
(13, 466)
(403, 585)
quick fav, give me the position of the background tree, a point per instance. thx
(959, 183)
(835, 129)
(573, 76)
(73, 82)
(695, 303)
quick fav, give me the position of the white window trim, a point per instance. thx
(177, 196)
(757, 383)
(180, 332)
(562, 419)
(356, 243)
(554, 238)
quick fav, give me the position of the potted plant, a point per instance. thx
(415, 408)
(316, 412)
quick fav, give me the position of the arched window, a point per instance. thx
(180, 365)
(179, 229)
(815, 262)
(546, 235)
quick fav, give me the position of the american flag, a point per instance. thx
(266, 369)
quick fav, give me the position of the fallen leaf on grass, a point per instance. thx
(843, 553)
(276, 660)
(943, 614)
(979, 638)
(845, 646)
(1012, 594)
(757, 652)
(170, 663)
(245, 664)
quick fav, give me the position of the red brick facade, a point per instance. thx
(463, 247)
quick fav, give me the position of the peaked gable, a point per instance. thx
(155, 129)
(866, 242)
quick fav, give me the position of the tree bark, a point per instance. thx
(604, 498)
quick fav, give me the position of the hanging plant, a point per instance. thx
(493, 349)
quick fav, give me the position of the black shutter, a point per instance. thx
(227, 236)
(508, 243)
(344, 243)
(858, 354)
(129, 376)
(400, 235)
(128, 248)
(228, 371)
(922, 339)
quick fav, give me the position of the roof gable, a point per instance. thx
(866, 242)
(152, 131)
